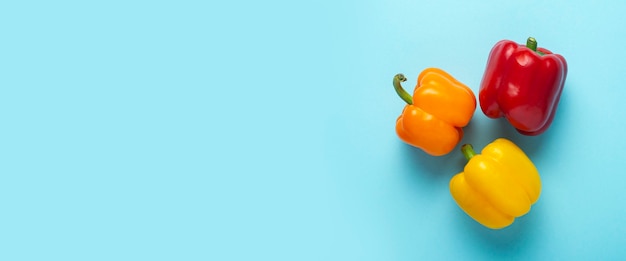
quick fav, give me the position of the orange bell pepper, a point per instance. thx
(434, 115)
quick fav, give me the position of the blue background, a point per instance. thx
(264, 130)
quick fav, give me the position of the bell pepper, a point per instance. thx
(496, 186)
(434, 115)
(522, 83)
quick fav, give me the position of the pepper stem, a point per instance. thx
(399, 90)
(468, 151)
(531, 43)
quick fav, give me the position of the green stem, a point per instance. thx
(468, 151)
(531, 43)
(399, 90)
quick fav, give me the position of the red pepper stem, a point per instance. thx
(468, 151)
(399, 90)
(531, 43)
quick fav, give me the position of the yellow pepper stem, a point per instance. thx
(468, 151)
(399, 90)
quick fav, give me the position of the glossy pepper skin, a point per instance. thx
(434, 115)
(496, 186)
(522, 83)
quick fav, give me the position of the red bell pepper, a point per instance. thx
(522, 83)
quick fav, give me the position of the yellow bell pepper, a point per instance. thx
(497, 186)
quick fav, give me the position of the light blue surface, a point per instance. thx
(264, 130)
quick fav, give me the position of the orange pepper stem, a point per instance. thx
(531, 43)
(468, 151)
(399, 90)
